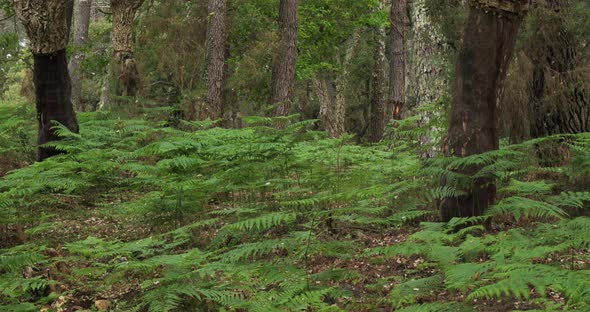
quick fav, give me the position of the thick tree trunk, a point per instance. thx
(46, 23)
(488, 44)
(52, 89)
(216, 30)
(397, 58)
(124, 67)
(377, 119)
(283, 74)
(559, 91)
(82, 26)
(425, 75)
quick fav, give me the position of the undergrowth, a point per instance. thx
(156, 215)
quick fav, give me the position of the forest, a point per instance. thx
(295, 155)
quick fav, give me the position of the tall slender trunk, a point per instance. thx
(82, 26)
(47, 26)
(216, 32)
(377, 119)
(397, 58)
(488, 44)
(124, 67)
(283, 74)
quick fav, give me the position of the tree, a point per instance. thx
(216, 54)
(397, 58)
(377, 122)
(283, 74)
(82, 26)
(332, 96)
(559, 95)
(47, 26)
(489, 37)
(124, 67)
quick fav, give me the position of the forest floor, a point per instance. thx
(142, 216)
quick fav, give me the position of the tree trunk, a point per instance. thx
(124, 67)
(326, 99)
(216, 30)
(82, 26)
(559, 92)
(283, 74)
(377, 122)
(46, 23)
(488, 44)
(338, 110)
(425, 75)
(397, 58)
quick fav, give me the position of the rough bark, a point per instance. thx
(338, 110)
(82, 26)
(397, 58)
(124, 66)
(559, 91)
(327, 116)
(283, 74)
(425, 75)
(216, 32)
(377, 117)
(488, 44)
(46, 23)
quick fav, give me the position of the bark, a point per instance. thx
(425, 75)
(323, 90)
(559, 91)
(338, 110)
(53, 91)
(69, 17)
(488, 44)
(124, 66)
(216, 32)
(377, 119)
(46, 24)
(82, 26)
(283, 74)
(397, 58)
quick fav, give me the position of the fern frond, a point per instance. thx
(525, 207)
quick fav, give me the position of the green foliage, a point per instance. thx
(267, 219)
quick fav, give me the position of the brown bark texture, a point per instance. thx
(82, 26)
(216, 32)
(488, 44)
(46, 24)
(559, 91)
(124, 68)
(283, 74)
(397, 58)
(377, 99)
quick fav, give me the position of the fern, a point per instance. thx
(412, 291)
(525, 207)
(262, 223)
